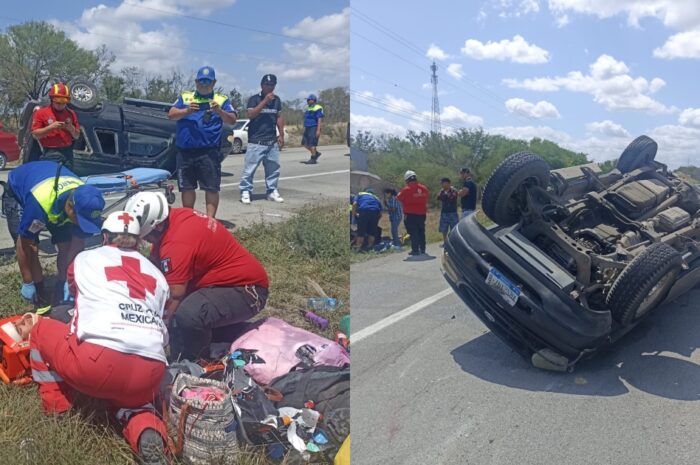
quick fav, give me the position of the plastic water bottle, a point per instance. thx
(322, 304)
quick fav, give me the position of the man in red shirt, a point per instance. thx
(414, 200)
(214, 281)
(55, 126)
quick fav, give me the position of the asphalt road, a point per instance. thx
(299, 185)
(431, 385)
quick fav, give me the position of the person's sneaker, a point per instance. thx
(318, 154)
(413, 254)
(245, 197)
(312, 161)
(275, 196)
(152, 448)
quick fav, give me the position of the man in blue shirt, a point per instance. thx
(313, 116)
(367, 208)
(265, 139)
(46, 198)
(200, 116)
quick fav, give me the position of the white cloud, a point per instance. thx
(690, 117)
(561, 20)
(453, 116)
(541, 109)
(455, 70)
(516, 50)
(608, 82)
(531, 132)
(375, 125)
(681, 45)
(436, 53)
(328, 56)
(677, 144)
(513, 8)
(399, 104)
(607, 128)
(678, 14)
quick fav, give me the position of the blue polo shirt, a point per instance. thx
(312, 114)
(368, 202)
(201, 129)
(21, 180)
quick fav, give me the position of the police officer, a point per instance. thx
(50, 197)
(199, 115)
(56, 126)
(265, 139)
(313, 117)
(367, 208)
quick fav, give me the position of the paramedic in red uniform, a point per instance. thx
(214, 281)
(414, 200)
(113, 348)
(56, 126)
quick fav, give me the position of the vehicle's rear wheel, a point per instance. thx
(3, 161)
(237, 146)
(83, 94)
(639, 152)
(644, 283)
(504, 194)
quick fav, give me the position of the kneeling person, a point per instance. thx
(113, 348)
(214, 281)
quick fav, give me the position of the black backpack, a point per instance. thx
(329, 389)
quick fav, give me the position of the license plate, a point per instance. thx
(509, 291)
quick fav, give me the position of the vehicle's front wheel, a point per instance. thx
(84, 94)
(644, 283)
(504, 194)
(237, 146)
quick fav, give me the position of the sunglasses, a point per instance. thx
(205, 82)
(60, 100)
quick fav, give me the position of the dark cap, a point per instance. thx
(464, 169)
(269, 79)
(88, 204)
(445, 180)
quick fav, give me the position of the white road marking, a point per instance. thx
(118, 196)
(398, 316)
(292, 177)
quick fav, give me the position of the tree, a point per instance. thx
(35, 53)
(113, 88)
(236, 101)
(336, 104)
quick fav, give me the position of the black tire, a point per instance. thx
(83, 94)
(237, 146)
(640, 152)
(3, 161)
(503, 195)
(644, 283)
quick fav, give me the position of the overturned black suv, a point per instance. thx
(113, 137)
(577, 257)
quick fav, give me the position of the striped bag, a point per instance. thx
(206, 428)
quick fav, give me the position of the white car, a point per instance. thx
(239, 138)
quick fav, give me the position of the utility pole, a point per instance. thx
(435, 121)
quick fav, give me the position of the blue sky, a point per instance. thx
(588, 74)
(304, 43)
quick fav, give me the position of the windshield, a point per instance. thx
(239, 124)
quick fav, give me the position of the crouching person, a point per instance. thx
(113, 348)
(214, 281)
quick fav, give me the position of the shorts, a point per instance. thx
(367, 222)
(199, 167)
(59, 154)
(448, 221)
(309, 138)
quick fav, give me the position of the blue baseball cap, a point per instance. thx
(88, 204)
(311, 97)
(206, 72)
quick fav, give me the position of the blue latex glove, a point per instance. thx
(28, 292)
(66, 293)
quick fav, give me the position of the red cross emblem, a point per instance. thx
(130, 271)
(126, 218)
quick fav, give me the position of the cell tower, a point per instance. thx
(435, 122)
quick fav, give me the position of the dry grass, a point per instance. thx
(331, 134)
(312, 244)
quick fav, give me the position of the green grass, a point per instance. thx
(313, 244)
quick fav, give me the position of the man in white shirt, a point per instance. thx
(113, 348)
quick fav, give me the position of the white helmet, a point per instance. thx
(151, 209)
(121, 222)
(408, 175)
